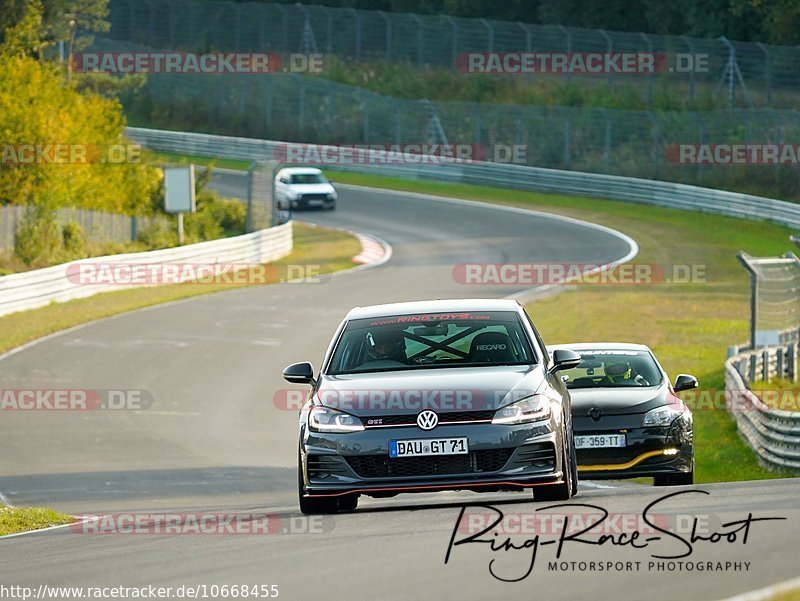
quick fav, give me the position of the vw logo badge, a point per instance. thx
(595, 413)
(427, 420)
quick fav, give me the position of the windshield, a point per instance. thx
(614, 369)
(308, 178)
(431, 340)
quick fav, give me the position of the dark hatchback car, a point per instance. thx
(435, 395)
(628, 421)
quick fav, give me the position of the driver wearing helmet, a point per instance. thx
(618, 372)
(622, 374)
(386, 345)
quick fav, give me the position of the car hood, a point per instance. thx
(619, 401)
(311, 188)
(441, 389)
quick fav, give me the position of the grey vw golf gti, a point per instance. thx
(434, 395)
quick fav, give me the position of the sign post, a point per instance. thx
(179, 193)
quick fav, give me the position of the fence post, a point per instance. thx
(688, 42)
(420, 41)
(765, 365)
(656, 138)
(609, 50)
(358, 31)
(567, 137)
(454, 50)
(568, 37)
(792, 361)
(767, 71)
(607, 143)
(490, 34)
(388, 34)
(753, 371)
(779, 364)
(649, 43)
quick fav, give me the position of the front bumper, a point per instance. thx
(501, 457)
(648, 451)
(311, 202)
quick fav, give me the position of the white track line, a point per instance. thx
(4, 500)
(529, 294)
(768, 592)
(81, 520)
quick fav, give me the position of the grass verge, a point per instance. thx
(22, 519)
(325, 249)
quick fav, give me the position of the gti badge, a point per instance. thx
(427, 420)
(595, 413)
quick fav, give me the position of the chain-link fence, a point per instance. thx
(774, 299)
(644, 144)
(749, 74)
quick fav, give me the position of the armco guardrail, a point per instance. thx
(40, 287)
(667, 194)
(773, 433)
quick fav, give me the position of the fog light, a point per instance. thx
(670, 451)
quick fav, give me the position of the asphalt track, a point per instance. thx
(216, 441)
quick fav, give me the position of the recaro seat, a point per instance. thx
(491, 347)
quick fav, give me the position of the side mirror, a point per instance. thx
(299, 373)
(564, 358)
(685, 382)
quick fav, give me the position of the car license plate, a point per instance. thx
(600, 441)
(428, 446)
(314, 203)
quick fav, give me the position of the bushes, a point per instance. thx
(38, 241)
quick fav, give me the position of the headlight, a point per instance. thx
(325, 419)
(661, 416)
(531, 409)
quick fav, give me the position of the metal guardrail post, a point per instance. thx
(780, 366)
(753, 368)
(746, 261)
(765, 365)
(249, 219)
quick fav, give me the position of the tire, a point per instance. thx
(683, 479)
(312, 505)
(348, 502)
(574, 468)
(562, 491)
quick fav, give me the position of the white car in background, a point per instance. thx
(304, 188)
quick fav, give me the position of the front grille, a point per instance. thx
(411, 419)
(322, 466)
(476, 462)
(315, 197)
(542, 455)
